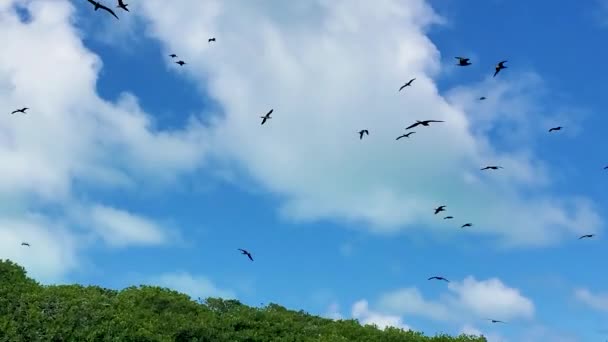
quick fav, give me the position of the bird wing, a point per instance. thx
(501, 63)
(427, 121)
(109, 10)
(242, 250)
(413, 125)
(403, 86)
(270, 112)
(93, 2)
(412, 80)
(399, 137)
(250, 257)
(121, 3)
(496, 72)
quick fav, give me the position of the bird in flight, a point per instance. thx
(466, 225)
(25, 244)
(439, 278)
(211, 40)
(495, 321)
(482, 98)
(121, 4)
(22, 110)
(605, 167)
(98, 5)
(492, 168)
(244, 252)
(423, 123)
(408, 84)
(361, 132)
(462, 61)
(172, 55)
(439, 209)
(405, 135)
(555, 129)
(586, 236)
(448, 217)
(267, 116)
(181, 63)
(500, 66)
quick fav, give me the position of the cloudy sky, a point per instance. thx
(129, 169)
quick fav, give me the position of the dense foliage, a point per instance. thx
(32, 312)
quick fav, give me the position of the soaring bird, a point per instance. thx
(495, 321)
(211, 40)
(25, 244)
(423, 123)
(407, 135)
(500, 66)
(492, 168)
(466, 225)
(121, 4)
(555, 129)
(448, 217)
(439, 278)
(172, 55)
(605, 167)
(267, 116)
(181, 63)
(98, 5)
(244, 252)
(482, 98)
(462, 61)
(361, 132)
(586, 236)
(439, 209)
(22, 110)
(408, 84)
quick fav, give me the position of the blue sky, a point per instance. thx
(129, 169)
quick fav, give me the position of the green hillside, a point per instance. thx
(33, 312)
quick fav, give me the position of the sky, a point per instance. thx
(130, 169)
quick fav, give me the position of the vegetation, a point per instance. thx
(33, 312)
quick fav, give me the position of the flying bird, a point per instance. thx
(267, 116)
(25, 244)
(211, 40)
(555, 129)
(605, 167)
(462, 61)
(448, 217)
(482, 98)
(244, 252)
(467, 225)
(439, 278)
(495, 320)
(361, 132)
(121, 4)
(181, 63)
(500, 66)
(492, 168)
(408, 84)
(22, 110)
(586, 236)
(439, 209)
(423, 123)
(98, 5)
(407, 135)
(172, 55)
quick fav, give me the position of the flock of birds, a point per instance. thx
(462, 61)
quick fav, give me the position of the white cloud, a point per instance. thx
(327, 75)
(195, 286)
(597, 301)
(365, 316)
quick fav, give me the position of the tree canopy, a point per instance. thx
(30, 311)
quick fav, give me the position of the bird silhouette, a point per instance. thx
(361, 132)
(439, 209)
(605, 167)
(448, 217)
(439, 278)
(121, 4)
(267, 116)
(482, 98)
(407, 135)
(500, 66)
(98, 5)
(172, 55)
(492, 168)
(466, 225)
(423, 123)
(555, 129)
(181, 63)
(495, 321)
(211, 40)
(586, 236)
(408, 84)
(22, 110)
(462, 61)
(25, 244)
(244, 252)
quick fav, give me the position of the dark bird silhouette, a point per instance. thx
(244, 252)
(211, 40)
(121, 4)
(605, 167)
(25, 244)
(495, 321)
(407, 135)
(555, 129)
(423, 123)
(466, 225)
(462, 61)
(408, 84)
(492, 168)
(439, 209)
(439, 278)
(172, 55)
(500, 66)
(22, 110)
(448, 217)
(482, 98)
(181, 63)
(361, 132)
(586, 236)
(98, 5)
(267, 116)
